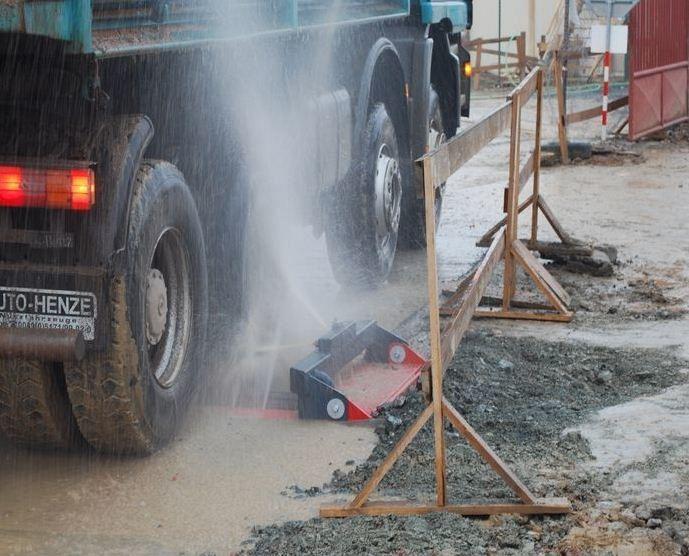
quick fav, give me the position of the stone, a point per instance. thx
(604, 377)
(394, 421)
(643, 513)
(628, 517)
(505, 365)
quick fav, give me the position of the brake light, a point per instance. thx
(71, 189)
(468, 70)
(11, 192)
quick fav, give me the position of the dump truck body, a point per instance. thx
(113, 28)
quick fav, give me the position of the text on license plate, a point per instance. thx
(55, 309)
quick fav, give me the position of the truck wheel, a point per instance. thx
(363, 222)
(132, 398)
(413, 226)
(34, 408)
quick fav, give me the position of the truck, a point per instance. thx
(123, 184)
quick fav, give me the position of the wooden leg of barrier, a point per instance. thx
(554, 222)
(477, 76)
(434, 318)
(487, 454)
(512, 209)
(562, 111)
(487, 238)
(622, 125)
(521, 55)
(537, 159)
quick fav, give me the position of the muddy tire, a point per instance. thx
(132, 398)
(413, 224)
(34, 408)
(362, 223)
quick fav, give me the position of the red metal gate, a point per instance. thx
(658, 65)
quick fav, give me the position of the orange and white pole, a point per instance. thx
(606, 75)
(606, 94)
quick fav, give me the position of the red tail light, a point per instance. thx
(71, 188)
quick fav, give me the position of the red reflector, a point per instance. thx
(11, 192)
(72, 189)
(83, 189)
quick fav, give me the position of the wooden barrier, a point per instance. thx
(505, 246)
(521, 60)
(565, 120)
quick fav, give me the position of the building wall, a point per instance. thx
(515, 19)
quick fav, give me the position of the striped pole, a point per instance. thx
(606, 93)
(606, 75)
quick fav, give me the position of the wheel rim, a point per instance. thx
(436, 137)
(167, 308)
(388, 187)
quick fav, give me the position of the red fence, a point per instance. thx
(658, 65)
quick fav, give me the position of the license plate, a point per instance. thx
(54, 309)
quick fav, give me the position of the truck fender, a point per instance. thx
(420, 94)
(445, 77)
(381, 48)
(117, 150)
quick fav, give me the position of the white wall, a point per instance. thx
(515, 19)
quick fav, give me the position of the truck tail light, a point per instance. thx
(70, 188)
(468, 70)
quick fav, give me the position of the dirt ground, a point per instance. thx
(596, 410)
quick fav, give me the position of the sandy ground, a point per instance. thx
(226, 474)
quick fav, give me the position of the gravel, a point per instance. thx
(521, 410)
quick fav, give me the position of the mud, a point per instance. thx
(524, 396)
(634, 292)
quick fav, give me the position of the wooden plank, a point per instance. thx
(479, 51)
(621, 126)
(527, 87)
(527, 59)
(486, 69)
(494, 40)
(541, 506)
(459, 324)
(526, 172)
(554, 222)
(561, 110)
(440, 164)
(599, 59)
(544, 280)
(536, 192)
(491, 313)
(512, 204)
(449, 306)
(391, 458)
(487, 238)
(594, 112)
(521, 54)
(558, 249)
(461, 148)
(486, 452)
(437, 368)
(489, 301)
(493, 52)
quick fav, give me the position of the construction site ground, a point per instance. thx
(595, 410)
